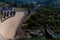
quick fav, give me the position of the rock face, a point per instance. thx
(9, 26)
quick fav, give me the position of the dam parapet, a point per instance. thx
(10, 19)
(7, 14)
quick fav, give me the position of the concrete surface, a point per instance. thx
(9, 26)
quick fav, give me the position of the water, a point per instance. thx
(57, 35)
(37, 1)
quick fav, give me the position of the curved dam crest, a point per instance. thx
(9, 26)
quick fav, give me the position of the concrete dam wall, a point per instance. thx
(8, 27)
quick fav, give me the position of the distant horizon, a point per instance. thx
(38, 1)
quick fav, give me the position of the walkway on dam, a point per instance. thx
(9, 26)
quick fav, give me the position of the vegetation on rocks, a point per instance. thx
(43, 17)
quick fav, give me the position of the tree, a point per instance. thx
(44, 17)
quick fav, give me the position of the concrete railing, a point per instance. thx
(6, 15)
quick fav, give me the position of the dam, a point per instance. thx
(9, 22)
